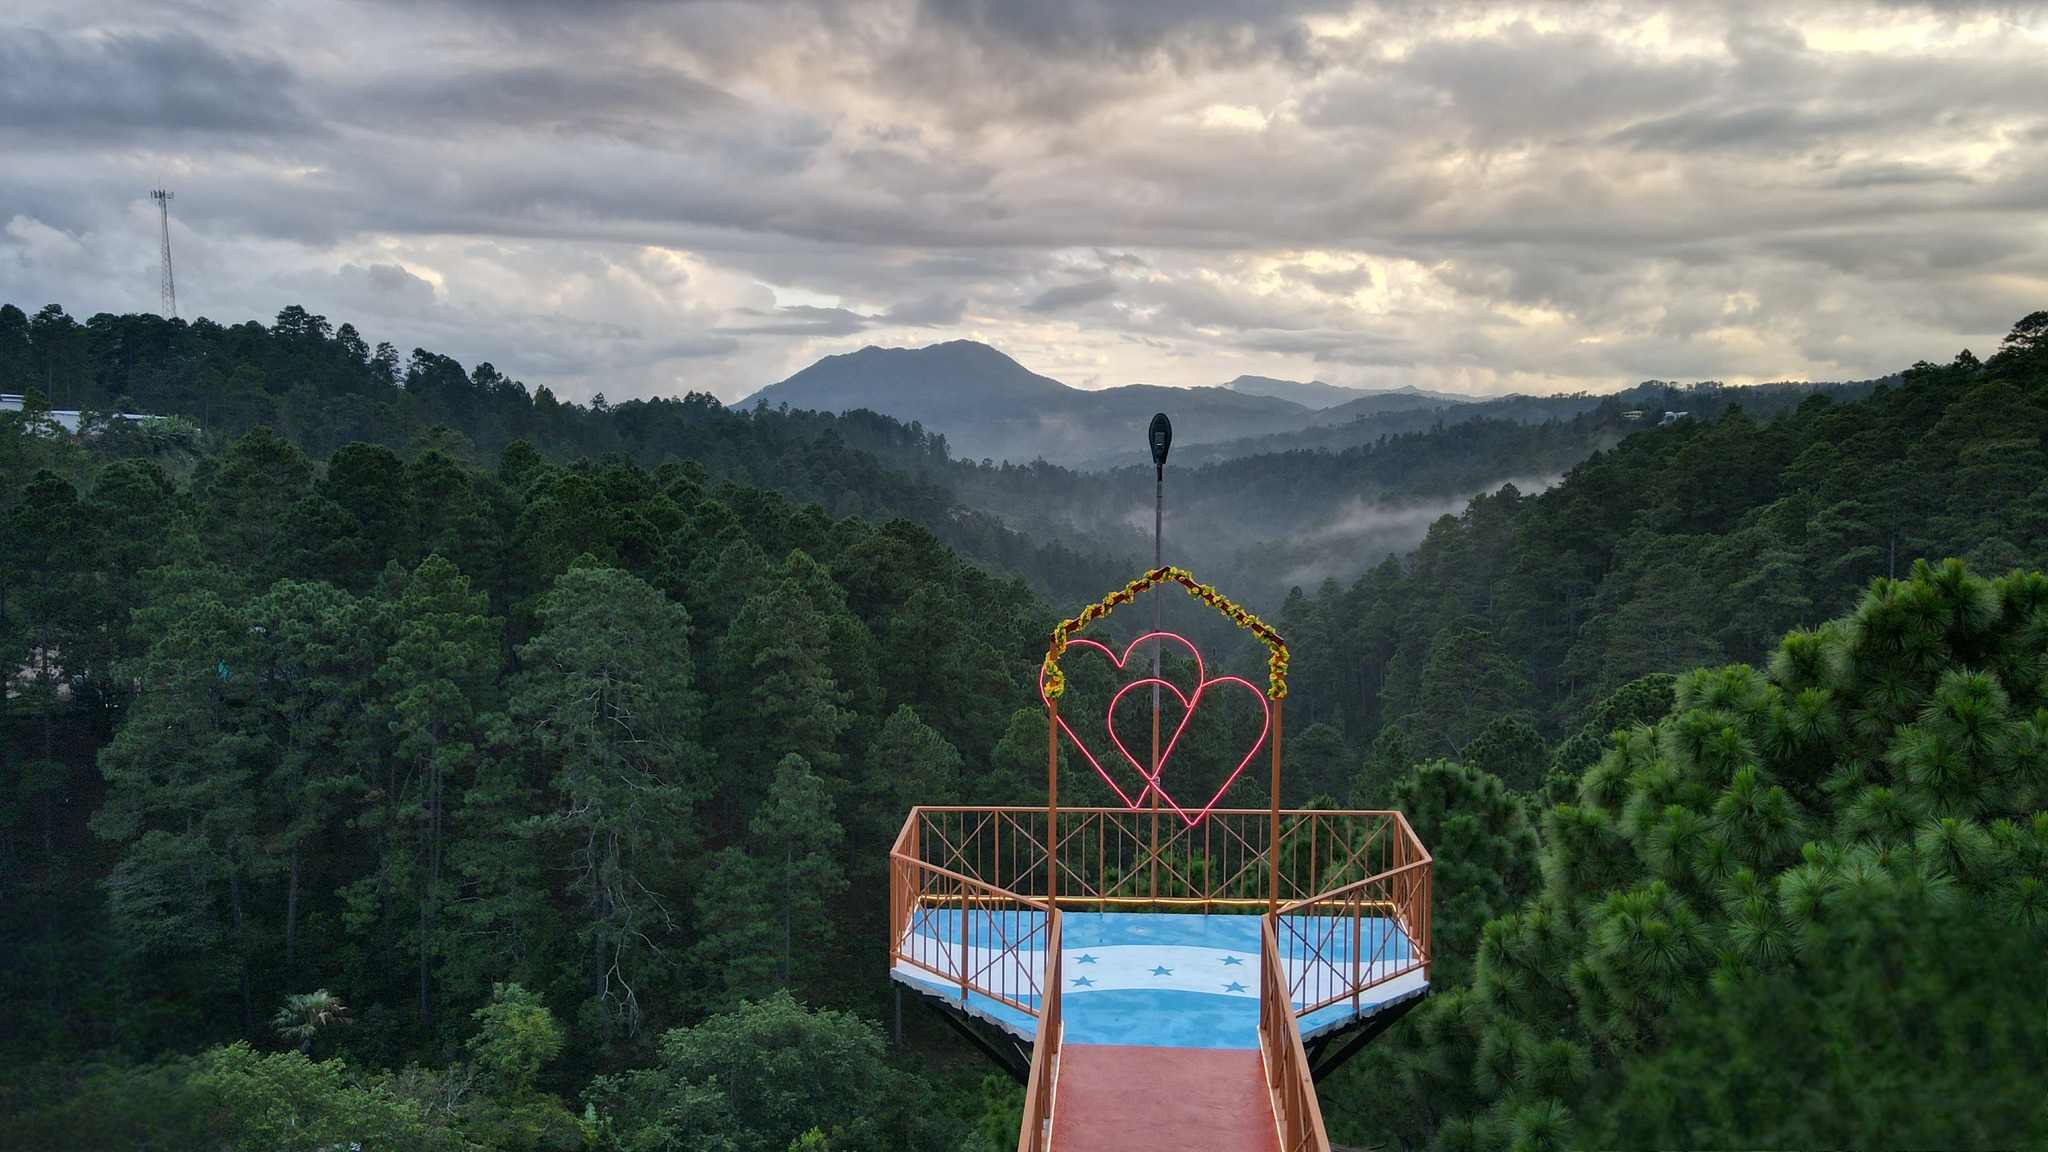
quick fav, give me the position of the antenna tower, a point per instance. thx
(170, 287)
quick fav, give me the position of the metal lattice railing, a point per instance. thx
(1296, 1112)
(1109, 857)
(976, 893)
(1035, 1133)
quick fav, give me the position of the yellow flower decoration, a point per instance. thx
(1276, 648)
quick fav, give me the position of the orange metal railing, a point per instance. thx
(1110, 856)
(964, 932)
(983, 940)
(1336, 945)
(1347, 908)
(1035, 1133)
(1296, 1112)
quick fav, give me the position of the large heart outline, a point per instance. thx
(1188, 706)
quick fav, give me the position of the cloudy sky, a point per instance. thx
(642, 198)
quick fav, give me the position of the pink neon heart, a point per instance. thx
(1118, 662)
(1189, 704)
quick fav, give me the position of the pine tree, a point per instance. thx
(1510, 748)
(606, 698)
(311, 658)
(796, 839)
(184, 780)
(781, 698)
(1468, 680)
(435, 677)
(908, 763)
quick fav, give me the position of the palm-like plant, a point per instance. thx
(307, 1014)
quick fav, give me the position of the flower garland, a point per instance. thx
(1276, 660)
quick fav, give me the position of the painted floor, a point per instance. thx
(1115, 1098)
(1161, 1047)
(1151, 979)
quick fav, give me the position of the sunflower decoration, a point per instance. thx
(1276, 648)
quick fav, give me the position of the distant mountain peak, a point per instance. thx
(895, 379)
(989, 405)
(1317, 394)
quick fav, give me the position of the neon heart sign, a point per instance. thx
(1052, 683)
(1189, 704)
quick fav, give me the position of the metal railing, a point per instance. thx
(1109, 857)
(1035, 1133)
(1296, 1112)
(1346, 908)
(1335, 946)
(964, 932)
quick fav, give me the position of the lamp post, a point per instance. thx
(1161, 437)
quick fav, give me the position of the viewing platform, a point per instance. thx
(1164, 998)
(1164, 975)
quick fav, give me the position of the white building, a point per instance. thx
(65, 418)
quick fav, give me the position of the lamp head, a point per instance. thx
(1162, 439)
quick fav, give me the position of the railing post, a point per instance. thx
(1357, 915)
(1052, 801)
(1428, 944)
(1273, 826)
(1152, 884)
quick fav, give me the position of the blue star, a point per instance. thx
(1233, 986)
(1084, 958)
(1162, 970)
(1232, 961)
(1083, 982)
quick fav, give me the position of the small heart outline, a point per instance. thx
(1188, 706)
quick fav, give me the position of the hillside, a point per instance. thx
(1695, 543)
(324, 387)
(1267, 514)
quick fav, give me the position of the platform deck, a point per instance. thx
(1150, 979)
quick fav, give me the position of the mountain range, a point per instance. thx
(1316, 394)
(988, 406)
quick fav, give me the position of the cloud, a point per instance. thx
(121, 85)
(645, 198)
(934, 310)
(1071, 295)
(802, 320)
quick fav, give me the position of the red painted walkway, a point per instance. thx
(1112, 1098)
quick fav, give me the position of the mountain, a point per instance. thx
(988, 406)
(940, 383)
(1316, 394)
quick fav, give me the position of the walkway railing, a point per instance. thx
(1296, 1111)
(1035, 1133)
